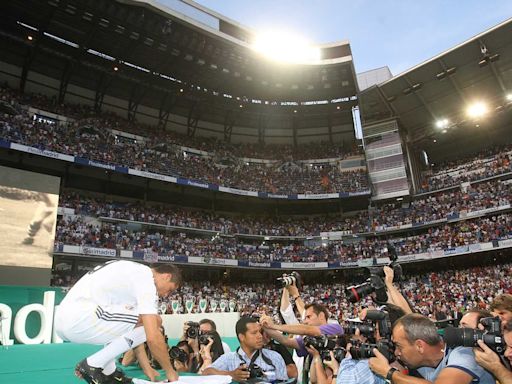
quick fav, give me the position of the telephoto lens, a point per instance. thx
(293, 278)
(466, 337)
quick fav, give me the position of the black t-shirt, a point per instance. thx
(282, 350)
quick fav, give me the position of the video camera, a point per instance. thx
(468, 337)
(375, 283)
(293, 278)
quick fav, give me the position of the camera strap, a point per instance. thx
(254, 357)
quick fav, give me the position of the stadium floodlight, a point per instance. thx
(477, 110)
(285, 47)
(443, 123)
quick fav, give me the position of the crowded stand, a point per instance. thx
(162, 153)
(449, 204)
(75, 230)
(487, 163)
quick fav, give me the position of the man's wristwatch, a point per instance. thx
(389, 376)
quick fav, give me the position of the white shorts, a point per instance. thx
(83, 321)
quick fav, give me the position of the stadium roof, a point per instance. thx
(142, 51)
(430, 100)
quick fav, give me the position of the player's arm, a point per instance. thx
(281, 339)
(157, 345)
(298, 329)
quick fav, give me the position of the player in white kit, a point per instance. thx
(116, 304)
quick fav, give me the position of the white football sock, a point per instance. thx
(109, 368)
(120, 345)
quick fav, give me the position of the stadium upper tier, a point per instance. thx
(487, 163)
(184, 60)
(159, 153)
(440, 207)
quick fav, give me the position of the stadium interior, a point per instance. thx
(174, 141)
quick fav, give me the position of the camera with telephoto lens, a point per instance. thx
(178, 354)
(375, 283)
(292, 278)
(322, 342)
(339, 354)
(360, 350)
(366, 328)
(468, 337)
(193, 330)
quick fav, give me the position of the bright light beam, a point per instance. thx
(477, 110)
(285, 47)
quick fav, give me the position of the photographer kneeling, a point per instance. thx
(491, 361)
(250, 361)
(419, 346)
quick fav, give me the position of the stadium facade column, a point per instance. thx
(166, 105)
(194, 114)
(229, 122)
(33, 48)
(262, 126)
(72, 62)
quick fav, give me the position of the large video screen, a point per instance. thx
(28, 214)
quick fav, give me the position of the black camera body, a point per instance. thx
(178, 354)
(382, 319)
(292, 278)
(468, 337)
(322, 342)
(339, 354)
(365, 350)
(366, 328)
(193, 330)
(204, 338)
(374, 283)
(255, 371)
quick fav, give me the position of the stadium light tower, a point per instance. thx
(285, 47)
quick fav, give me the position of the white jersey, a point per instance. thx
(118, 283)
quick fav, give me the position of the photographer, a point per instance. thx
(289, 297)
(502, 306)
(472, 317)
(250, 361)
(207, 326)
(291, 367)
(291, 288)
(315, 324)
(419, 346)
(355, 369)
(491, 361)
